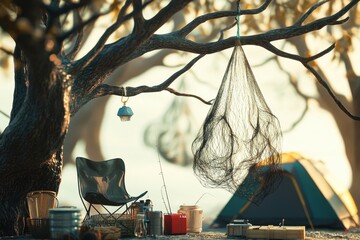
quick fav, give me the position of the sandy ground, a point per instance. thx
(221, 234)
(310, 235)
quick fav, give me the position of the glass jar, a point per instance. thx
(140, 229)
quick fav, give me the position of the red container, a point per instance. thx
(175, 224)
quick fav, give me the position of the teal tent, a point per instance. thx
(305, 197)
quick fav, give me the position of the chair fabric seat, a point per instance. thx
(103, 183)
(97, 198)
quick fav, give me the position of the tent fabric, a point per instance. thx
(307, 196)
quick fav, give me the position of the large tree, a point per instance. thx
(53, 81)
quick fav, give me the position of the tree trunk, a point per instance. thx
(354, 162)
(31, 145)
(13, 208)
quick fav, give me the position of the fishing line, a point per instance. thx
(164, 186)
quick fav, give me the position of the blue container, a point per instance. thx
(65, 223)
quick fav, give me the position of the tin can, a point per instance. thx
(65, 223)
(155, 223)
(194, 218)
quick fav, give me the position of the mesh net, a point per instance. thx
(239, 137)
(172, 136)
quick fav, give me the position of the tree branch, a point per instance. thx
(210, 16)
(138, 17)
(132, 47)
(66, 8)
(8, 52)
(188, 95)
(301, 59)
(177, 41)
(105, 89)
(331, 93)
(309, 12)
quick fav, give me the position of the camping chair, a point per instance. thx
(103, 183)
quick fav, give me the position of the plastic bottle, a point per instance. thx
(140, 229)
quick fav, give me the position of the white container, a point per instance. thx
(194, 217)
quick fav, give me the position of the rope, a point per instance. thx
(238, 19)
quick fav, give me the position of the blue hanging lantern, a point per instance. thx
(125, 112)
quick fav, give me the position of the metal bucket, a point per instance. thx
(65, 223)
(155, 223)
(194, 218)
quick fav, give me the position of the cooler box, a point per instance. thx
(175, 224)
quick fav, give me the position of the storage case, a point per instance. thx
(175, 224)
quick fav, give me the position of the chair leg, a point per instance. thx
(87, 218)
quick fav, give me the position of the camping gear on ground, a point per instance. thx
(155, 223)
(239, 131)
(238, 228)
(276, 232)
(175, 224)
(306, 197)
(39, 202)
(65, 223)
(194, 218)
(140, 228)
(103, 183)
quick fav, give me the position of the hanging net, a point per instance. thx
(172, 136)
(240, 137)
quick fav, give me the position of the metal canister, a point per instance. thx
(155, 223)
(194, 218)
(65, 223)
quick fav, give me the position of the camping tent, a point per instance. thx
(305, 197)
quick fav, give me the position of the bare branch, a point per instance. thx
(331, 93)
(66, 8)
(138, 17)
(309, 12)
(133, 46)
(8, 52)
(5, 114)
(101, 43)
(301, 59)
(305, 61)
(177, 41)
(105, 89)
(164, 15)
(199, 20)
(79, 38)
(63, 36)
(188, 95)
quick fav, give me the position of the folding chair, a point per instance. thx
(103, 183)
